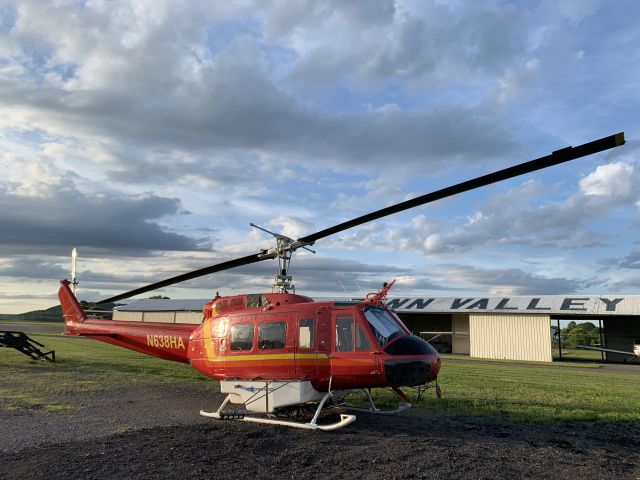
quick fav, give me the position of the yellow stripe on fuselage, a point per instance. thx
(206, 338)
(268, 356)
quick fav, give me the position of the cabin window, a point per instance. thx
(241, 336)
(305, 334)
(271, 335)
(344, 333)
(362, 343)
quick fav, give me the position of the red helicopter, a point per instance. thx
(282, 358)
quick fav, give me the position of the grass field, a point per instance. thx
(83, 366)
(536, 392)
(521, 392)
(576, 353)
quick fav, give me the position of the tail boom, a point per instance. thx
(166, 341)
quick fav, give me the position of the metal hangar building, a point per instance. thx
(514, 328)
(518, 328)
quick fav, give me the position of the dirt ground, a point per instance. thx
(156, 432)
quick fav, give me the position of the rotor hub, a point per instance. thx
(285, 246)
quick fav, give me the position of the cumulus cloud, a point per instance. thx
(49, 215)
(312, 274)
(396, 41)
(160, 82)
(615, 181)
(517, 223)
(517, 216)
(631, 261)
(34, 268)
(521, 216)
(183, 122)
(513, 281)
(381, 190)
(321, 274)
(290, 226)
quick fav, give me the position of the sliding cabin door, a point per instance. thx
(355, 356)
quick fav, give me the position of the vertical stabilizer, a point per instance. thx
(72, 312)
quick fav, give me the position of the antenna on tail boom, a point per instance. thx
(74, 258)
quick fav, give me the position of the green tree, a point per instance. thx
(585, 333)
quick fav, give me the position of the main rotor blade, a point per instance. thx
(557, 157)
(238, 262)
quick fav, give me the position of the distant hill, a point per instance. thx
(53, 314)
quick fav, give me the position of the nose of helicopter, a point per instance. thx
(413, 362)
(411, 372)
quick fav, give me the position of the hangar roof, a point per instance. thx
(163, 305)
(535, 304)
(540, 304)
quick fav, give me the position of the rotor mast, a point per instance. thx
(285, 246)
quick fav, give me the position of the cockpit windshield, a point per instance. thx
(383, 326)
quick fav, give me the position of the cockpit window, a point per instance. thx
(241, 336)
(383, 326)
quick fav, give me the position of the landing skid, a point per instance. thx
(252, 417)
(292, 404)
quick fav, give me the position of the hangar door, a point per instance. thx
(513, 337)
(447, 333)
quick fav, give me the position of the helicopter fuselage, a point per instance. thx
(274, 336)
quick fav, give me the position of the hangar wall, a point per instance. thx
(188, 317)
(159, 317)
(510, 336)
(127, 316)
(460, 342)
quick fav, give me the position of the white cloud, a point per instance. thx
(512, 281)
(396, 41)
(515, 219)
(519, 217)
(121, 116)
(47, 213)
(150, 79)
(617, 180)
(290, 226)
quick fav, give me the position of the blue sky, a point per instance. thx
(149, 134)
